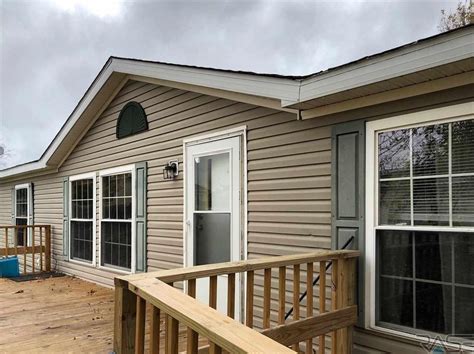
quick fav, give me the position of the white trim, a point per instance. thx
(108, 172)
(92, 176)
(438, 115)
(439, 51)
(29, 196)
(241, 132)
(222, 134)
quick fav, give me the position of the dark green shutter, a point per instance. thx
(140, 215)
(66, 216)
(348, 194)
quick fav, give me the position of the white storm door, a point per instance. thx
(213, 215)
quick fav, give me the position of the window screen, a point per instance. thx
(424, 246)
(116, 225)
(82, 219)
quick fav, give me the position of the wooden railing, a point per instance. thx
(35, 252)
(133, 292)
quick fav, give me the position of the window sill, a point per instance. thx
(411, 339)
(82, 263)
(115, 270)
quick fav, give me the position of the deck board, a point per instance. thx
(58, 315)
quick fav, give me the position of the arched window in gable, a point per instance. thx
(132, 120)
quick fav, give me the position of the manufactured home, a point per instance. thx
(163, 166)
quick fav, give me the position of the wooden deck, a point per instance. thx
(59, 315)
(55, 315)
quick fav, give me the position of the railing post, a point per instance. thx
(125, 318)
(47, 251)
(347, 283)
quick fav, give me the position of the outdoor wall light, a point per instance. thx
(171, 170)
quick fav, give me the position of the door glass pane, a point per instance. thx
(212, 182)
(211, 238)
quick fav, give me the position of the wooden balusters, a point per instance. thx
(155, 331)
(334, 301)
(296, 297)
(6, 240)
(249, 299)
(214, 349)
(140, 326)
(309, 302)
(267, 287)
(25, 243)
(322, 302)
(213, 291)
(172, 335)
(231, 295)
(47, 252)
(33, 250)
(192, 336)
(281, 294)
(41, 248)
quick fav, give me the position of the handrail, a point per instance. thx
(219, 329)
(37, 243)
(133, 292)
(207, 270)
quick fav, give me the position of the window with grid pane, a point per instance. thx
(21, 215)
(116, 224)
(82, 219)
(424, 234)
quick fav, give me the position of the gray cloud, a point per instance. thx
(50, 55)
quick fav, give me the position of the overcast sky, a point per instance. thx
(51, 50)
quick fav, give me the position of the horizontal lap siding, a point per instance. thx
(288, 173)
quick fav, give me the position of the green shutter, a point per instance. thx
(348, 194)
(31, 204)
(140, 216)
(66, 216)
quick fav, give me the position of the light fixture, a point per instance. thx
(171, 170)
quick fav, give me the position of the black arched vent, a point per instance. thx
(132, 120)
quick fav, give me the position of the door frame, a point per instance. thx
(240, 131)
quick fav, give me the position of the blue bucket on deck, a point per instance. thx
(9, 267)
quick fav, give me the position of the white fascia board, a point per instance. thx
(42, 163)
(264, 86)
(423, 56)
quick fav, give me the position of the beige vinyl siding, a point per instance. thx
(289, 167)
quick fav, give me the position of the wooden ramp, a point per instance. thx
(56, 315)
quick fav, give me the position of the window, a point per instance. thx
(117, 219)
(424, 227)
(22, 212)
(132, 120)
(82, 220)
